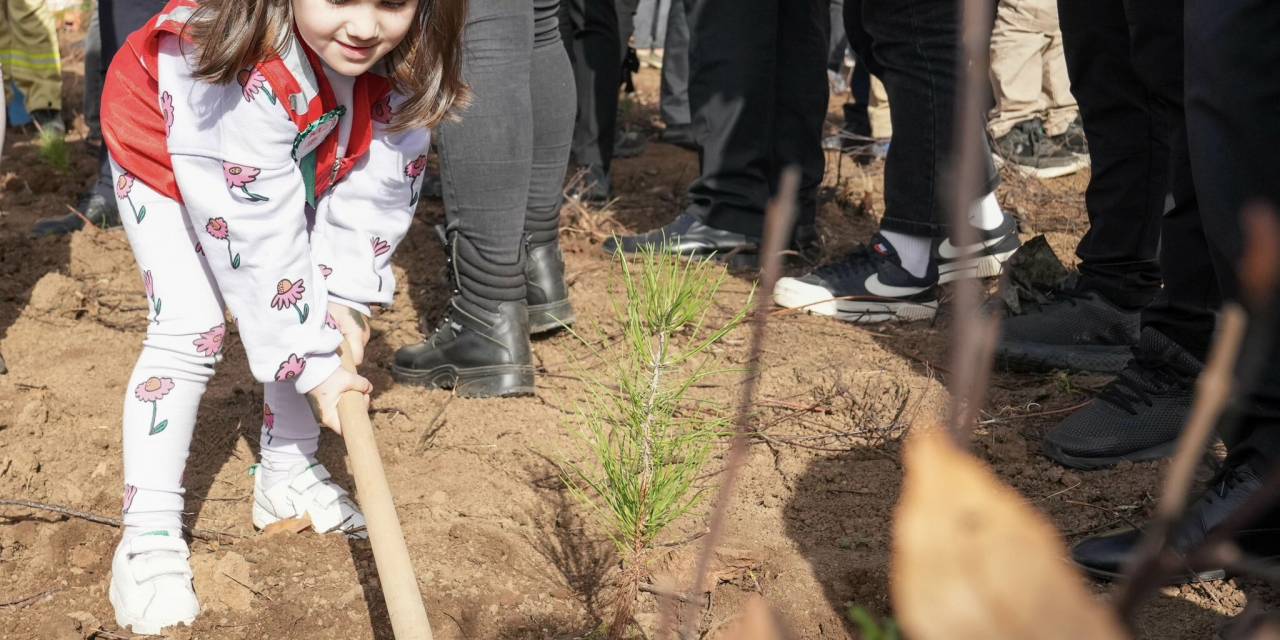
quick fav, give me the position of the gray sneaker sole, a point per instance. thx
(1040, 358)
(1055, 453)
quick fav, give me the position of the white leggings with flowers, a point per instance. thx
(183, 344)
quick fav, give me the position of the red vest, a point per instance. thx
(133, 120)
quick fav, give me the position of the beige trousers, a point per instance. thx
(29, 52)
(878, 111)
(1028, 68)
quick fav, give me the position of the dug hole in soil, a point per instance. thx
(501, 549)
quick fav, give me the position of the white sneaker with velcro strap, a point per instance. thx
(151, 583)
(307, 492)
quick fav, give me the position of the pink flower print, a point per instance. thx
(412, 171)
(288, 294)
(329, 321)
(166, 107)
(325, 271)
(152, 390)
(217, 227)
(290, 369)
(251, 82)
(268, 421)
(149, 283)
(380, 247)
(124, 184)
(239, 176)
(381, 111)
(129, 492)
(210, 342)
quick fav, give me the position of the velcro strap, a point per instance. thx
(324, 495)
(331, 517)
(314, 474)
(159, 564)
(144, 544)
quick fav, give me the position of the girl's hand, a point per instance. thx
(354, 327)
(324, 398)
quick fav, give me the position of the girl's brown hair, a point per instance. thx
(231, 35)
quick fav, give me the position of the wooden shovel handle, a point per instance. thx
(390, 554)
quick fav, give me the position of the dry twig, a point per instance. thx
(202, 534)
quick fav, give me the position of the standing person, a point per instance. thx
(113, 21)
(913, 46)
(592, 36)
(29, 53)
(1126, 64)
(502, 169)
(272, 178)
(758, 95)
(1231, 54)
(1035, 122)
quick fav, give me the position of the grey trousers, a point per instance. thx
(503, 164)
(673, 101)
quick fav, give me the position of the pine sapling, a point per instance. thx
(647, 447)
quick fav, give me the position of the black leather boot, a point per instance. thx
(547, 292)
(478, 354)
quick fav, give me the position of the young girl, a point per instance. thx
(267, 158)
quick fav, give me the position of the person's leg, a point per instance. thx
(1057, 86)
(674, 101)
(183, 344)
(801, 100)
(94, 75)
(1231, 56)
(1017, 45)
(837, 42)
(733, 63)
(590, 30)
(31, 60)
(551, 92)
(482, 346)
(1139, 415)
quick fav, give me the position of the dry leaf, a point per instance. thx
(972, 561)
(757, 623)
(288, 525)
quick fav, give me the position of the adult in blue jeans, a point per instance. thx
(502, 171)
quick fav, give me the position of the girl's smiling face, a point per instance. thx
(353, 35)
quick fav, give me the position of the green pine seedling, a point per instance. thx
(647, 444)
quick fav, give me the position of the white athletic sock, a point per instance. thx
(986, 214)
(913, 251)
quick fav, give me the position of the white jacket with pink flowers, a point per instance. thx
(233, 152)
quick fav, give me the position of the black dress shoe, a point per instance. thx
(1107, 556)
(477, 353)
(680, 135)
(547, 293)
(685, 235)
(97, 209)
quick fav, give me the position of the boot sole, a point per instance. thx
(1055, 453)
(1212, 575)
(1038, 358)
(550, 316)
(502, 381)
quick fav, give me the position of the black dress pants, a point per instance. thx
(1232, 104)
(592, 35)
(758, 94)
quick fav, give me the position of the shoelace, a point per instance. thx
(1138, 382)
(848, 265)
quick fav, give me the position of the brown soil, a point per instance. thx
(502, 551)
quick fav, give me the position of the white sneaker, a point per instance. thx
(151, 583)
(307, 492)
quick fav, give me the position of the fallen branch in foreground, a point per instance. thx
(202, 534)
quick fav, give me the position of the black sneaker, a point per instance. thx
(629, 144)
(983, 259)
(99, 210)
(1073, 139)
(1075, 330)
(868, 285)
(1108, 555)
(1136, 417)
(1032, 152)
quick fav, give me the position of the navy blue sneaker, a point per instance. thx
(868, 285)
